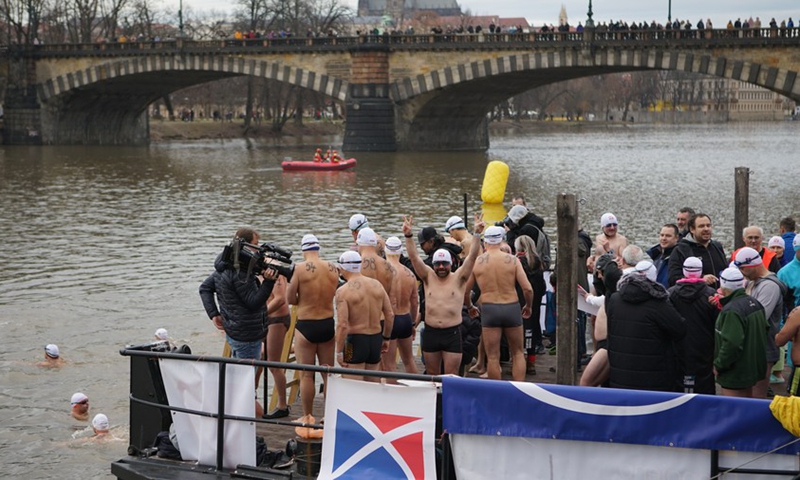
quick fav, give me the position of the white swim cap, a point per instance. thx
(357, 222)
(747, 257)
(51, 351)
(78, 398)
(367, 238)
(646, 268)
(309, 242)
(494, 235)
(454, 223)
(394, 246)
(350, 261)
(731, 279)
(100, 422)
(442, 255)
(162, 334)
(692, 267)
(608, 219)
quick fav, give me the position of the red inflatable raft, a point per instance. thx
(293, 165)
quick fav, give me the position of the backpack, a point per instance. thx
(786, 294)
(543, 247)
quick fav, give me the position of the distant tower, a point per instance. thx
(363, 8)
(562, 15)
(394, 8)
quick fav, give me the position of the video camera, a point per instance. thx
(505, 222)
(259, 258)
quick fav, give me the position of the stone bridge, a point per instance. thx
(422, 92)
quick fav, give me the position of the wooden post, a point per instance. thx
(566, 290)
(741, 209)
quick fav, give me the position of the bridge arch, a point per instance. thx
(446, 108)
(107, 103)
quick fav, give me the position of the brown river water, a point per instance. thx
(103, 245)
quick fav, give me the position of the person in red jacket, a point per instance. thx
(754, 237)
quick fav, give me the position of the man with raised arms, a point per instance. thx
(312, 289)
(360, 304)
(444, 297)
(497, 273)
(405, 310)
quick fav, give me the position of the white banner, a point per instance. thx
(193, 385)
(378, 431)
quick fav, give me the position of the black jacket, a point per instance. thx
(713, 257)
(528, 225)
(691, 302)
(242, 301)
(642, 331)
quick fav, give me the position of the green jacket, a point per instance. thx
(740, 341)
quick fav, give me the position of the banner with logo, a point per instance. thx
(378, 431)
(194, 385)
(502, 429)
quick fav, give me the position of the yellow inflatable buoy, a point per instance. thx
(493, 212)
(787, 411)
(494, 182)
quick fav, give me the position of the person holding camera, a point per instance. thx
(242, 292)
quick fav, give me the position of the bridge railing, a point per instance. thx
(401, 41)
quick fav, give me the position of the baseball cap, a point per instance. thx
(100, 422)
(442, 255)
(646, 268)
(162, 334)
(51, 350)
(350, 261)
(357, 222)
(426, 234)
(731, 279)
(692, 267)
(394, 246)
(608, 219)
(309, 242)
(494, 234)
(747, 257)
(78, 398)
(366, 237)
(517, 212)
(776, 242)
(454, 223)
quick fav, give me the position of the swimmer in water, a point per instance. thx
(79, 407)
(100, 424)
(52, 357)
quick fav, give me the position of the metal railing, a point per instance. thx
(223, 362)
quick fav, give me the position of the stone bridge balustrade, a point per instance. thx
(405, 92)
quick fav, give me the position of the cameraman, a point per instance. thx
(521, 221)
(242, 295)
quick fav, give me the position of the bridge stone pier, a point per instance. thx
(411, 93)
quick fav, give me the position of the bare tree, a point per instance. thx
(22, 18)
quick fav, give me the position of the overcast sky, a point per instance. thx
(540, 11)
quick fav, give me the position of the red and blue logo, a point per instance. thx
(378, 445)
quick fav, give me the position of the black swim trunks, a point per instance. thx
(362, 348)
(286, 320)
(442, 339)
(501, 315)
(602, 344)
(402, 327)
(317, 331)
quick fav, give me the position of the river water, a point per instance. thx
(103, 245)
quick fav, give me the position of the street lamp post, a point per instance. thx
(180, 18)
(669, 12)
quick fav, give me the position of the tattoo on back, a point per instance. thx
(310, 267)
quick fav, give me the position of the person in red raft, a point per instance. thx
(335, 158)
(318, 156)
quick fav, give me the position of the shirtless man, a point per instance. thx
(312, 289)
(458, 230)
(358, 222)
(278, 321)
(497, 274)
(444, 297)
(360, 303)
(791, 333)
(610, 239)
(405, 310)
(79, 406)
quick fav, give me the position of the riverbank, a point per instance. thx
(166, 130)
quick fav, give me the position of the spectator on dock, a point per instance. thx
(690, 297)
(740, 337)
(786, 228)
(790, 274)
(698, 243)
(682, 220)
(643, 332)
(667, 239)
(753, 237)
(777, 245)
